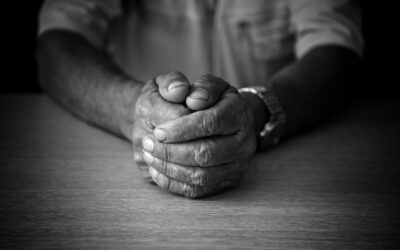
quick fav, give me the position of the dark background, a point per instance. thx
(380, 71)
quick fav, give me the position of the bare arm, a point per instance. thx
(85, 81)
(313, 87)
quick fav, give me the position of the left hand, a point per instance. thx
(204, 152)
(159, 101)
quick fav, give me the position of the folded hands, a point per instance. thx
(193, 139)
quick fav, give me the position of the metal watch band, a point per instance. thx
(274, 128)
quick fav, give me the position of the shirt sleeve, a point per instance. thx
(323, 22)
(89, 18)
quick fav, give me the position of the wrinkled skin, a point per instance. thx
(152, 109)
(193, 146)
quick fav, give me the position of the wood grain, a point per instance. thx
(65, 184)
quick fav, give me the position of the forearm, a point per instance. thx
(313, 87)
(85, 81)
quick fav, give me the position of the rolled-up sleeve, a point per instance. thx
(326, 22)
(89, 18)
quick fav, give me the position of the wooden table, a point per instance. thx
(65, 184)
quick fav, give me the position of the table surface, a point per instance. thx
(65, 184)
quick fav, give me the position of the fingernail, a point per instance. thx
(159, 134)
(148, 158)
(199, 94)
(148, 144)
(175, 85)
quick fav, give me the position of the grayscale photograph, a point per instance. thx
(200, 124)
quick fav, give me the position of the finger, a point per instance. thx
(142, 166)
(224, 118)
(206, 92)
(190, 191)
(202, 152)
(137, 135)
(192, 175)
(173, 87)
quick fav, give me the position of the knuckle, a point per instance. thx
(209, 123)
(166, 152)
(199, 177)
(162, 166)
(203, 155)
(190, 191)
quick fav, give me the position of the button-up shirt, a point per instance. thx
(243, 41)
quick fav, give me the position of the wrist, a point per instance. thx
(128, 96)
(274, 123)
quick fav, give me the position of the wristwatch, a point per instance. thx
(274, 128)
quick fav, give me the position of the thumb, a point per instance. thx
(173, 87)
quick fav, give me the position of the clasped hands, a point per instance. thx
(193, 139)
